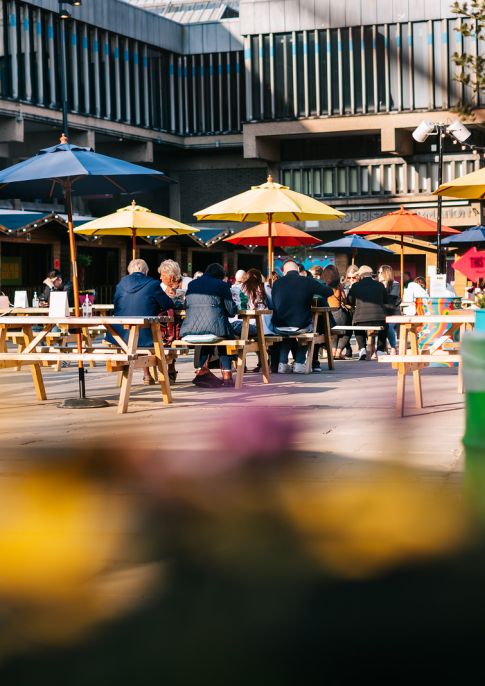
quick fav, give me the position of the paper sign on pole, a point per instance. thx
(431, 270)
(437, 286)
(20, 299)
(58, 305)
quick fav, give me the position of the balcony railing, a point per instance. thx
(364, 178)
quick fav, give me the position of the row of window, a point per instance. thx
(375, 177)
(114, 77)
(378, 68)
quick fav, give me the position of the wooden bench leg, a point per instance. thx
(240, 364)
(127, 379)
(328, 340)
(309, 356)
(418, 393)
(263, 351)
(162, 367)
(35, 369)
(401, 389)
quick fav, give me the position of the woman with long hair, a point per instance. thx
(340, 341)
(385, 275)
(258, 294)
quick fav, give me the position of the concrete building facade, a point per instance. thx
(322, 93)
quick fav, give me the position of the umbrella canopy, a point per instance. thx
(471, 186)
(134, 221)
(404, 223)
(476, 234)
(71, 170)
(354, 243)
(283, 236)
(48, 172)
(270, 202)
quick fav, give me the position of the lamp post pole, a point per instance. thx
(65, 129)
(439, 249)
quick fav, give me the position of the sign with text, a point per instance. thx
(471, 264)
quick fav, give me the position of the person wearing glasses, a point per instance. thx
(385, 274)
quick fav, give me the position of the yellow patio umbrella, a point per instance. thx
(471, 186)
(270, 202)
(134, 221)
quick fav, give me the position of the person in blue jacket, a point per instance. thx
(138, 295)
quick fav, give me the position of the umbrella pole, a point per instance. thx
(353, 255)
(75, 283)
(270, 245)
(133, 244)
(402, 265)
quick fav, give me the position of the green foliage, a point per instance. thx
(471, 68)
(84, 260)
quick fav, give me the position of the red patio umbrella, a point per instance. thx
(283, 236)
(401, 222)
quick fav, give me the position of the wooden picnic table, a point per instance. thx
(126, 361)
(100, 310)
(411, 359)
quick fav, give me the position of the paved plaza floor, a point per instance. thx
(346, 417)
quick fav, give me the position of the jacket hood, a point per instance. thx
(133, 283)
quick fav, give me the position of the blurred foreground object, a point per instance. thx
(258, 571)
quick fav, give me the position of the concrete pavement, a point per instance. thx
(346, 417)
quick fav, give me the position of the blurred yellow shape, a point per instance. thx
(360, 529)
(56, 532)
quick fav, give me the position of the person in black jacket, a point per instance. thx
(209, 305)
(369, 298)
(292, 301)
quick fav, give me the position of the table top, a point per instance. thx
(78, 322)
(454, 317)
(45, 310)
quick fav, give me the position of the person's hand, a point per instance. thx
(43, 303)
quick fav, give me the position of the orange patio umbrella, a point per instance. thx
(401, 222)
(283, 236)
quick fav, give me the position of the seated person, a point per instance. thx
(138, 295)
(369, 298)
(52, 282)
(292, 302)
(209, 305)
(55, 282)
(412, 290)
(258, 297)
(171, 284)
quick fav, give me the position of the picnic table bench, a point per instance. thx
(124, 358)
(443, 351)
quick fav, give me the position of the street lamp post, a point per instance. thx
(64, 16)
(458, 132)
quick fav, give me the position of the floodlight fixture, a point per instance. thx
(458, 131)
(425, 129)
(64, 14)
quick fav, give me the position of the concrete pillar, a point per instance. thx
(12, 130)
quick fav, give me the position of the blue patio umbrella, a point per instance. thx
(476, 234)
(354, 243)
(67, 170)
